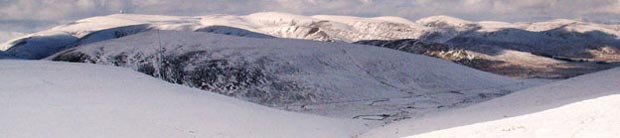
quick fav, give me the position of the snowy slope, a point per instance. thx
(46, 99)
(307, 76)
(585, 106)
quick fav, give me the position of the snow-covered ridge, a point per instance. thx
(442, 29)
(253, 25)
(335, 79)
(498, 60)
(580, 47)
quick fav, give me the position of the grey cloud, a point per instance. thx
(504, 10)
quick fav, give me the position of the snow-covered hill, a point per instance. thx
(584, 106)
(533, 37)
(47, 99)
(335, 79)
(246, 57)
(497, 60)
(556, 38)
(573, 41)
(264, 25)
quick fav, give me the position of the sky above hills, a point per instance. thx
(29, 15)
(504, 10)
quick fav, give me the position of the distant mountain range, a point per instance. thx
(558, 48)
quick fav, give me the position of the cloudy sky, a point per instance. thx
(32, 15)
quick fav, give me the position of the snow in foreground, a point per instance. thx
(594, 118)
(585, 106)
(46, 99)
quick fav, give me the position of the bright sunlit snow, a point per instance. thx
(46, 99)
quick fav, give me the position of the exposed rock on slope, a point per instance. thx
(496, 59)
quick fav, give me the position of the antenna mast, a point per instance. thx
(161, 55)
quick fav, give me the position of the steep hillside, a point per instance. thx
(496, 59)
(584, 106)
(46, 99)
(560, 38)
(336, 79)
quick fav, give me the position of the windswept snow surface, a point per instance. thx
(47, 99)
(585, 106)
(334, 79)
